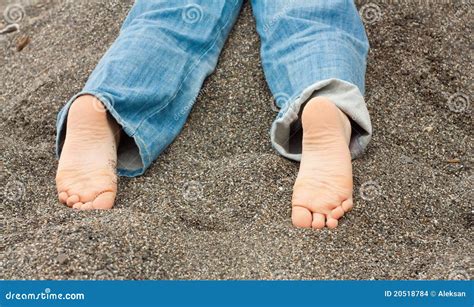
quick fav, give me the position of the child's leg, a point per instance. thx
(143, 88)
(314, 56)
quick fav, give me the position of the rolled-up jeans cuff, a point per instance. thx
(346, 96)
(132, 153)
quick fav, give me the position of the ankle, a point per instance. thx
(88, 105)
(320, 110)
(347, 126)
(88, 115)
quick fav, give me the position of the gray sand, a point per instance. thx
(216, 204)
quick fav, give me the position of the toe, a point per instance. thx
(63, 197)
(301, 217)
(87, 206)
(77, 205)
(104, 201)
(337, 213)
(71, 200)
(83, 206)
(347, 205)
(318, 221)
(331, 222)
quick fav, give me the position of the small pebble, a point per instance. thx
(62, 258)
(22, 42)
(454, 161)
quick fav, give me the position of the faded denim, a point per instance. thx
(150, 77)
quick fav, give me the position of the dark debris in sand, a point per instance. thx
(216, 204)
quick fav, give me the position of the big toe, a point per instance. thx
(105, 200)
(82, 206)
(301, 217)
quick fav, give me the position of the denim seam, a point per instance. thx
(213, 43)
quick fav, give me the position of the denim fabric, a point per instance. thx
(150, 77)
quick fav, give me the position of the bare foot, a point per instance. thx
(86, 178)
(323, 189)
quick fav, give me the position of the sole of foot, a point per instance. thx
(322, 193)
(86, 177)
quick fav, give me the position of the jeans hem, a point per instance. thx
(345, 95)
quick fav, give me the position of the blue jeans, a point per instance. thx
(150, 77)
